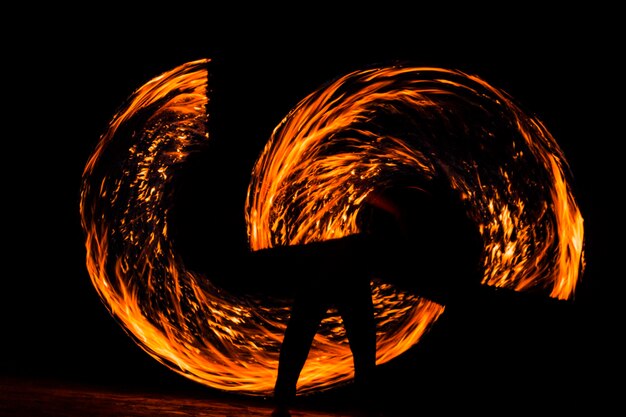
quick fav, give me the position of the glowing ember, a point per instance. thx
(360, 132)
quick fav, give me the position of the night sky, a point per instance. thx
(64, 87)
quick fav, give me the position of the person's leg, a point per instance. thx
(357, 312)
(306, 314)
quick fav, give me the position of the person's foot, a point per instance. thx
(281, 411)
(284, 395)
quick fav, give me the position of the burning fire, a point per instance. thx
(353, 135)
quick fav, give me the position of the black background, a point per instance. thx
(64, 85)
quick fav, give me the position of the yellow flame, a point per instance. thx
(359, 132)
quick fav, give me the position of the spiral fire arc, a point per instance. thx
(358, 132)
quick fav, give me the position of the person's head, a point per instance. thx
(426, 230)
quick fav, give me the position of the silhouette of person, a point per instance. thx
(417, 238)
(405, 230)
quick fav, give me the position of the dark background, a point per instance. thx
(64, 85)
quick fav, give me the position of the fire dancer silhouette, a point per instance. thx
(419, 239)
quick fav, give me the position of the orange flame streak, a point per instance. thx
(308, 185)
(330, 152)
(177, 317)
(564, 239)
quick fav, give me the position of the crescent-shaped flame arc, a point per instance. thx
(357, 133)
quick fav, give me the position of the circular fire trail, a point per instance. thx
(357, 133)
